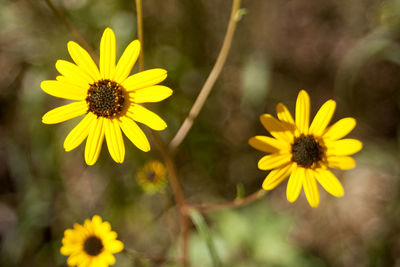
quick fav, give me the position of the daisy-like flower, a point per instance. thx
(305, 152)
(152, 178)
(91, 244)
(109, 97)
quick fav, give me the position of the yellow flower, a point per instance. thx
(152, 177)
(109, 98)
(306, 151)
(91, 244)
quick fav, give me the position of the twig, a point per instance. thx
(176, 188)
(139, 14)
(208, 85)
(72, 29)
(177, 192)
(165, 153)
(226, 205)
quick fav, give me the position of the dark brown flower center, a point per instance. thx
(151, 176)
(105, 98)
(93, 246)
(306, 151)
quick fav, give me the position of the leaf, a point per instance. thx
(204, 232)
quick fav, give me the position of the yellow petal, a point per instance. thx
(343, 147)
(98, 261)
(65, 251)
(65, 112)
(276, 128)
(275, 177)
(63, 90)
(273, 161)
(70, 249)
(303, 112)
(109, 259)
(86, 261)
(74, 260)
(79, 133)
(74, 73)
(268, 144)
(340, 129)
(154, 93)
(295, 183)
(284, 114)
(311, 188)
(105, 231)
(114, 140)
(88, 226)
(74, 83)
(329, 182)
(145, 116)
(323, 117)
(342, 163)
(80, 230)
(71, 238)
(111, 235)
(134, 133)
(69, 233)
(96, 219)
(115, 246)
(144, 79)
(126, 62)
(108, 46)
(94, 141)
(83, 60)
(71, 242)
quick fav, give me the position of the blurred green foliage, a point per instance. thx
(346, 50)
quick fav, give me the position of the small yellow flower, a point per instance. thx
(109, 98)
(152, 177)
(305, 152)
(91, 244)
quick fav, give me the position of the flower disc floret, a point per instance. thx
(93, 246)
(306, 151)
(105, 98)
(151, 176)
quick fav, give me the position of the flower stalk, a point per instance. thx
(211, 79)
(72, 29)
(168, 158)
(139, 18)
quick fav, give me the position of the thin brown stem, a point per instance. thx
(166, 154)
(176, 187)
(139, 15)
(72, 29)
(208, 85)
(226, 205)
(177, 192)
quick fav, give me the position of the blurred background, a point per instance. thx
(345, 50)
